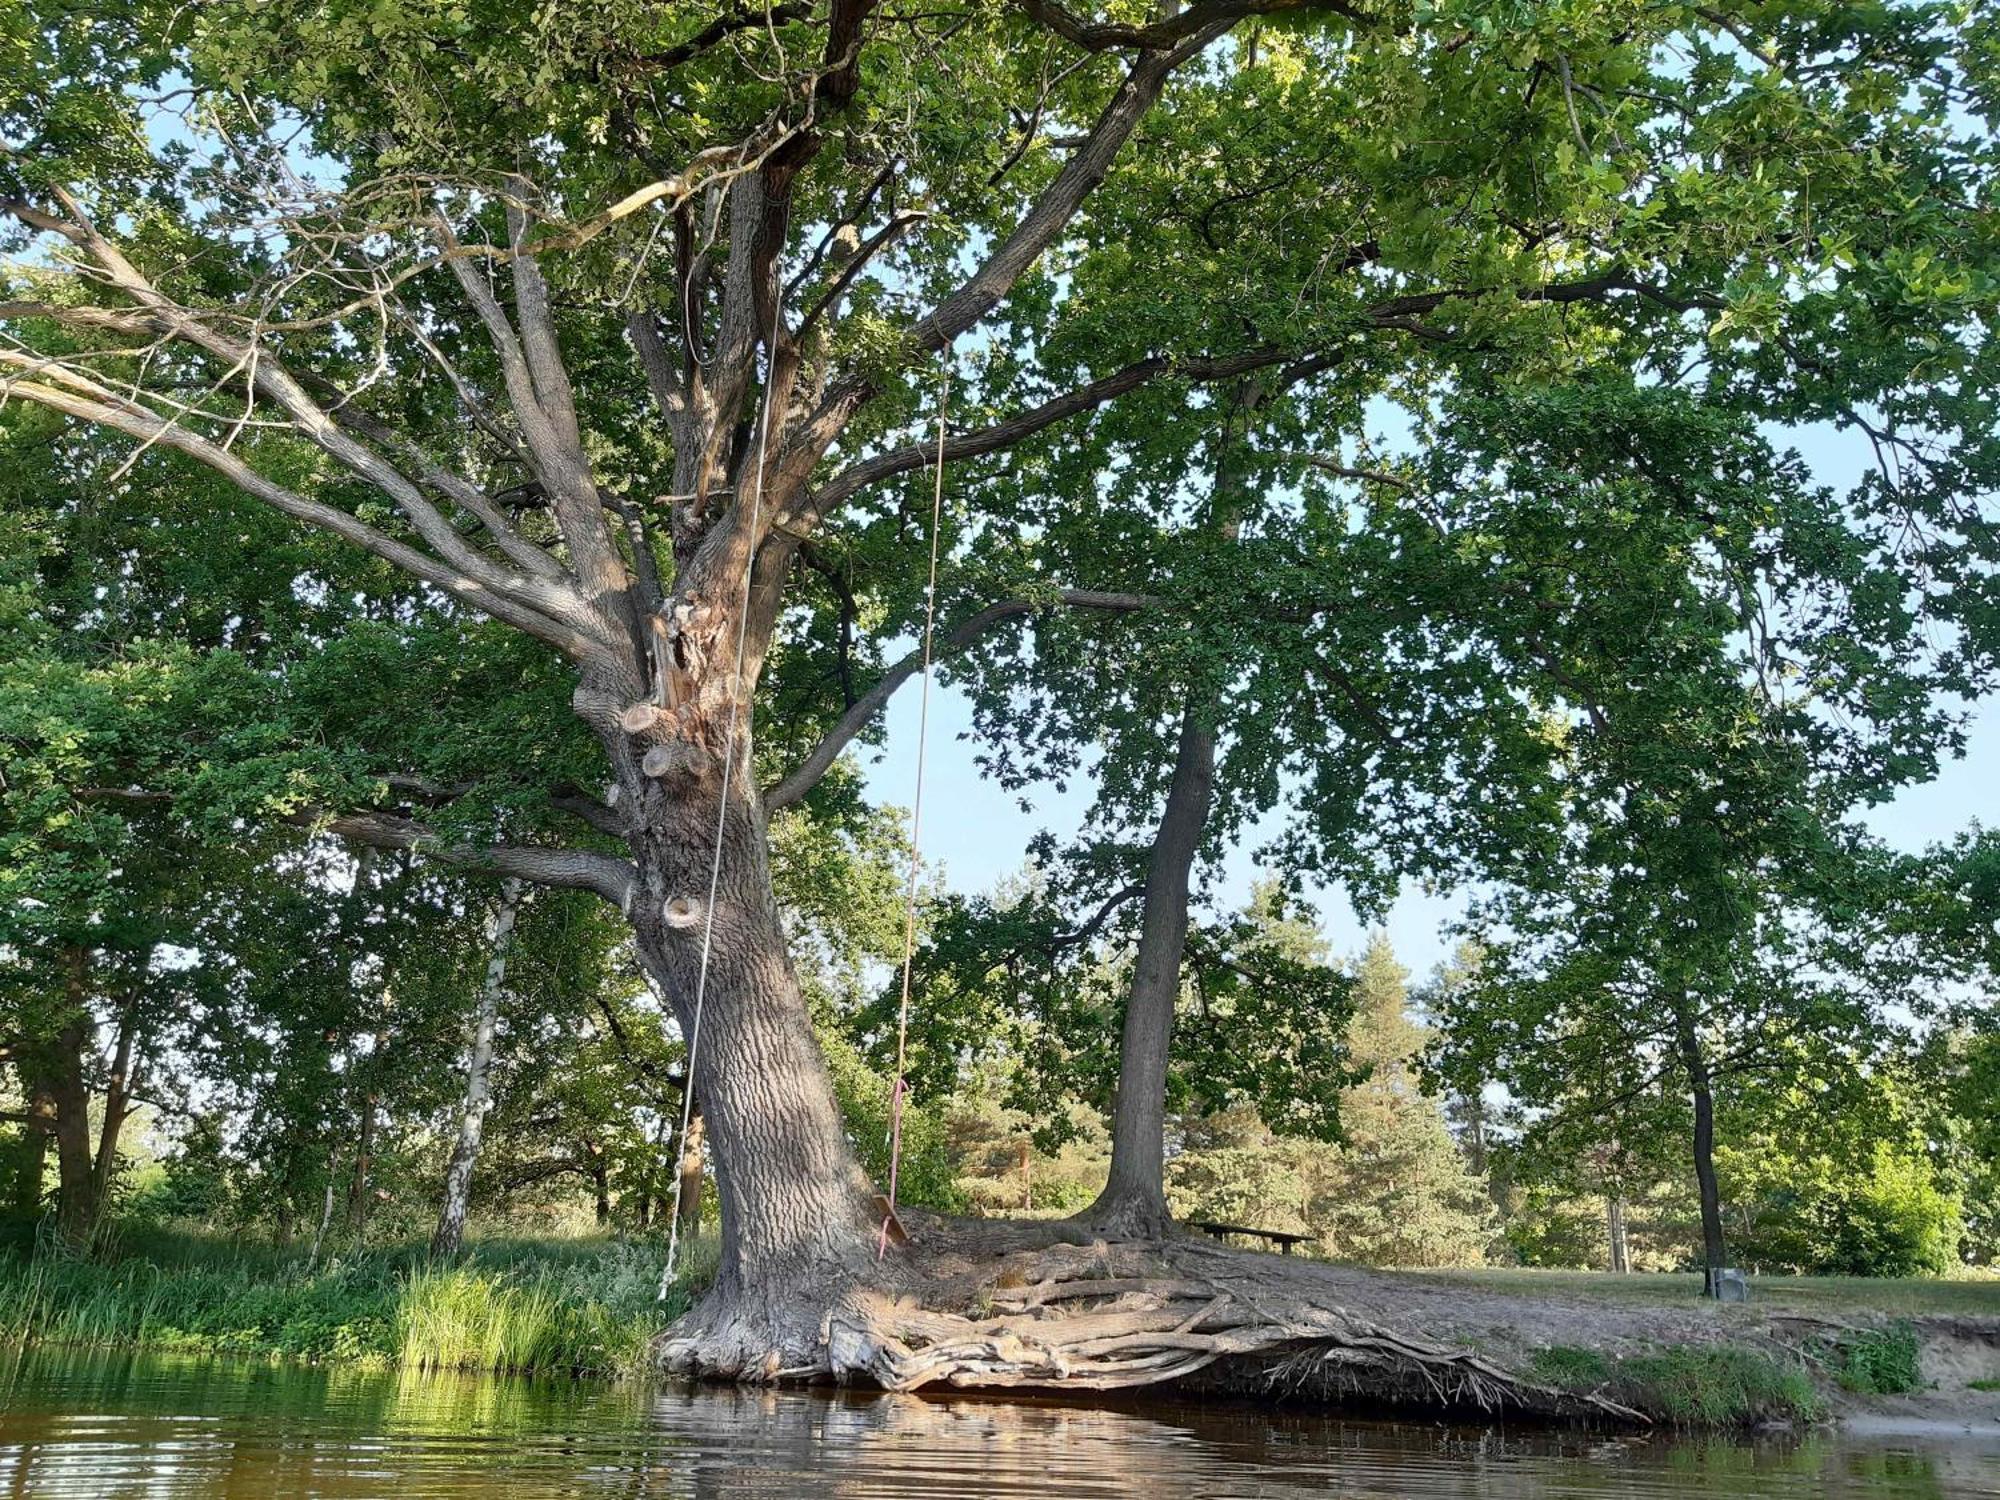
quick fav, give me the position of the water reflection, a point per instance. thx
(166, 1428)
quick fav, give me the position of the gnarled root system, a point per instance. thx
(1104, 1317)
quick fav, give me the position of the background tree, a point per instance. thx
(1392, 1189)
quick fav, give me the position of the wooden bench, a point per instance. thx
(1282, 1238)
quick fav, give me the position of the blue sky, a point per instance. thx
(978, 833)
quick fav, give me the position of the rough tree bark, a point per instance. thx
(797, 1211)
(450, 1231)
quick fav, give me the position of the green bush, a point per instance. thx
(1545, 1229)
(1886, 1216)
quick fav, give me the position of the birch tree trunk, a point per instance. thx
(364, 1156)
(450, 1232)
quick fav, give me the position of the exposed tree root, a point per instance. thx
(1107, 1317)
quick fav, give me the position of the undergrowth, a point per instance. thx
(1877, 1361)
(1689, 1386)
(505, 1305)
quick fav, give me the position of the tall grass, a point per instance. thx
(1714, 1387)
(581, 1307)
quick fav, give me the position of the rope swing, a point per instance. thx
(900, 1088)
(722, 801)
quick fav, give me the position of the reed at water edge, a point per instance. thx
(577, 1307)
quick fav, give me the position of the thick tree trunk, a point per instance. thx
(450, 1233)
(77, 1202)
(1714, 1252)
(61, 1077)
(1614, 1220)
(797, 1211)
(1134, 1200)
(600, 1182)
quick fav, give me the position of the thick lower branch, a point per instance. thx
(572, 869)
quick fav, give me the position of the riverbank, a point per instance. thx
(1005, 1306)
(577, 1307)
(1805, 1351)
(1869, 1354)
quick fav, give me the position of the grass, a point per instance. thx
(1878, 1361)
(582, 1307)
(1898, 1297)
(1691, 1387)
(1982, 1385)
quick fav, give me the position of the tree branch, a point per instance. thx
(744, 18)
(858, 476)
(267, 377)
(573, 869)
(1107, 36)
(538, 393)
(1079, 177)
(143, 424)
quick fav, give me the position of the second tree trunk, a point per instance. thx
(1134, 1200)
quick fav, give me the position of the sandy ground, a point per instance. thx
(1956, 1352)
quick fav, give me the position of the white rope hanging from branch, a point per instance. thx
(736, 696)
(899, 1089)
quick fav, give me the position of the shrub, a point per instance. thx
(1886, 1215)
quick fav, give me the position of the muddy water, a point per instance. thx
(151, 1426)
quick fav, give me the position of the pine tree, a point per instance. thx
(1394, 1191)
(1403, 1195)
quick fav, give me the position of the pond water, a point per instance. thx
(153, 1426)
